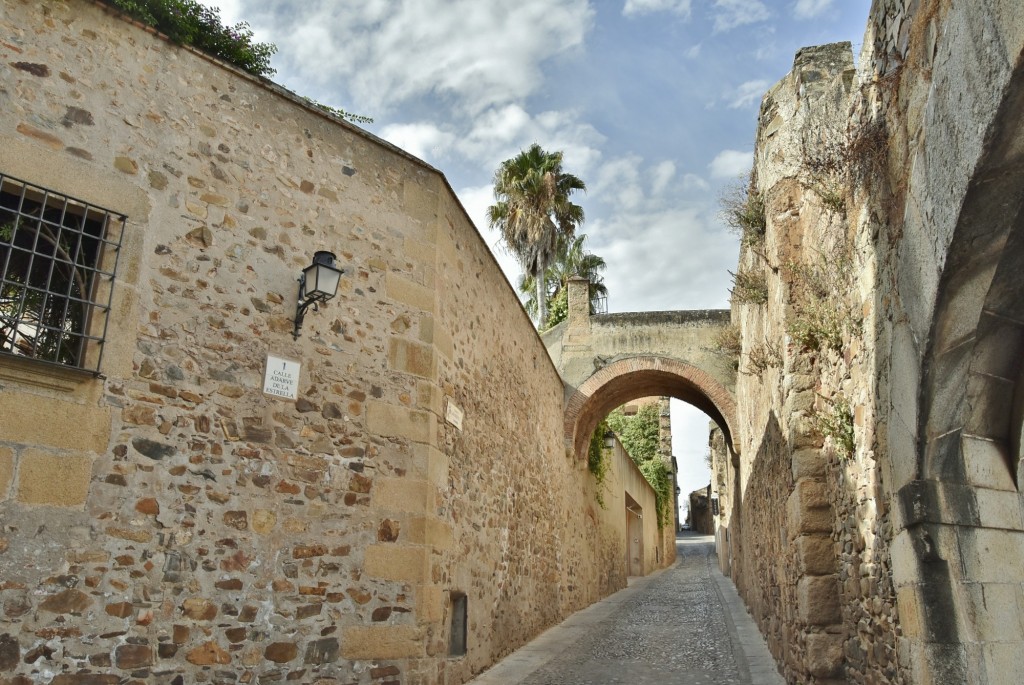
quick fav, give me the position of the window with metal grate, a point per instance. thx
(58, 257)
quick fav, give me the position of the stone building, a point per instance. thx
(189, 492)
(700, 517)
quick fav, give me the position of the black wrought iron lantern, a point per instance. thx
(318, 283)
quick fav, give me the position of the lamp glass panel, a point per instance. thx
(322, 281)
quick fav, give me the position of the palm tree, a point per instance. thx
(570, 260)
(532, 210)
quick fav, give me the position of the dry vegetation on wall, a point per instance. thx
(749, 286)
(834, 166)
(762, 356)
(728, 343)
(835, 423)
(823, 315)
(743, 211)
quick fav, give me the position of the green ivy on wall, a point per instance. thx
(640, 436)
(599, 461)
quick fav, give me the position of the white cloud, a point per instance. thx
(694, 183)
(661, 175)
(693, 52)
(626, 184)
(658, 260)
(495, 133)
(421, 139)
(501, 132)
(689, 445)
(658, 234)
(476, 200)
(808, 9)
(230, 11)
(731, 164)
(749, 93)
(472, 54)
(639, 7)
(618, 183)
(732, 13)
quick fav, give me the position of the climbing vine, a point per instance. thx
(660, 478)
(640, 435)
(598, 460)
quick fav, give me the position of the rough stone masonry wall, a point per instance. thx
(947, 79)
(903, 524)
(810, 551)
(168, 522)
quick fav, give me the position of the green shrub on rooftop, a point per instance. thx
(190, 23)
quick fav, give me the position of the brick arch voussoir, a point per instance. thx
(586, 401)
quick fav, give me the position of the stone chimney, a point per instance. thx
(579, 304)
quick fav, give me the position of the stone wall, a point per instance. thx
(169, 522)
(625, 479)
(701, 519)
(870, 381)
(785, 537)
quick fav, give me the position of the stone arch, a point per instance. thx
(965, 506)
(971, 393)
(627, 379)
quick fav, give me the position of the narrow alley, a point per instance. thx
(685, 624)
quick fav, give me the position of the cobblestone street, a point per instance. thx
(683, 625)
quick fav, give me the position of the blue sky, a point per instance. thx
(654, 103)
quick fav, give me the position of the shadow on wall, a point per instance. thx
(763, 568)
(866, 585)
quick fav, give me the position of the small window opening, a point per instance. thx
(457, 642)
(58, 256)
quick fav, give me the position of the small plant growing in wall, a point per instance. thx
(728, 343)
(835, 423)
(749, 286)
(832, 198)
(820, 293)
(763, 356)
(340, 113)
(744, 213)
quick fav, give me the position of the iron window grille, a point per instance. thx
(58, 257)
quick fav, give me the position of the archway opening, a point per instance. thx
(633, 378)
(630, 379)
